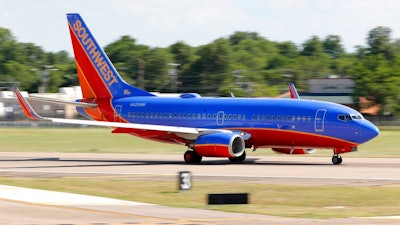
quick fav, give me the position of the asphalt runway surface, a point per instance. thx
(296, 170)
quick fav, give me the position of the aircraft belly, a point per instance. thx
(289, 138)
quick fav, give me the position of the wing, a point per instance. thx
(59, 101)
(30, 113)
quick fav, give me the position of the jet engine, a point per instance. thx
(220, 144)
(293, 151)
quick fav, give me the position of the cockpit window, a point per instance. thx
(356, 117)
(346, 117)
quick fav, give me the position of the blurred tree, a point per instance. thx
(125, 55)
(377, 79)
(212, 64)
(156, 70)
(17, 72)
(379, 42)
(288, 49)
(239, 36)
(332, 45)
(312, 47)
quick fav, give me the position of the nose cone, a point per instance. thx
(368, 131)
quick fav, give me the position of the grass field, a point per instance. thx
(280, 200)
(100, 140)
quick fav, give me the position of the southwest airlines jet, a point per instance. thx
(209, 127)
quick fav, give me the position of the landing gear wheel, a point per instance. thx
(337, 160)
(241, 158)
(192, 157)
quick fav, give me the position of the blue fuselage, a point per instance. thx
(294, 115)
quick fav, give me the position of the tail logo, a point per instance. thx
(96, 55)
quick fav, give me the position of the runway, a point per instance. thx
(269, 170)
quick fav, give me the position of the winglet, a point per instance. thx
(28, 110)
(293, 91)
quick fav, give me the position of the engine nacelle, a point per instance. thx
(220, 144)
(293, 151)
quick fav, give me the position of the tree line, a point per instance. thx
(243, 63)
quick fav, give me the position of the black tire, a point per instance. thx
(241, 158)
(337, 160)
(192, 157)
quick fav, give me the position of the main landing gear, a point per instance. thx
(337, 159)
(191, 156)
(239, 159)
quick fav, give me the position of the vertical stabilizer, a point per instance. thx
(97, 76)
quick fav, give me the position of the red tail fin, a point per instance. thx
(97, 76)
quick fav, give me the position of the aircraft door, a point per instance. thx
(319, 120)
(117, 113)
(220, 118)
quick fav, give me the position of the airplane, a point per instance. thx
(208, 126)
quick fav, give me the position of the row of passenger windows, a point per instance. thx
(209, 116)
(185, 115)
(282, 118)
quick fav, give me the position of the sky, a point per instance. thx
(160, 23)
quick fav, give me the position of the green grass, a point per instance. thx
(85, 140)
(279, 200)
(100, 140)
